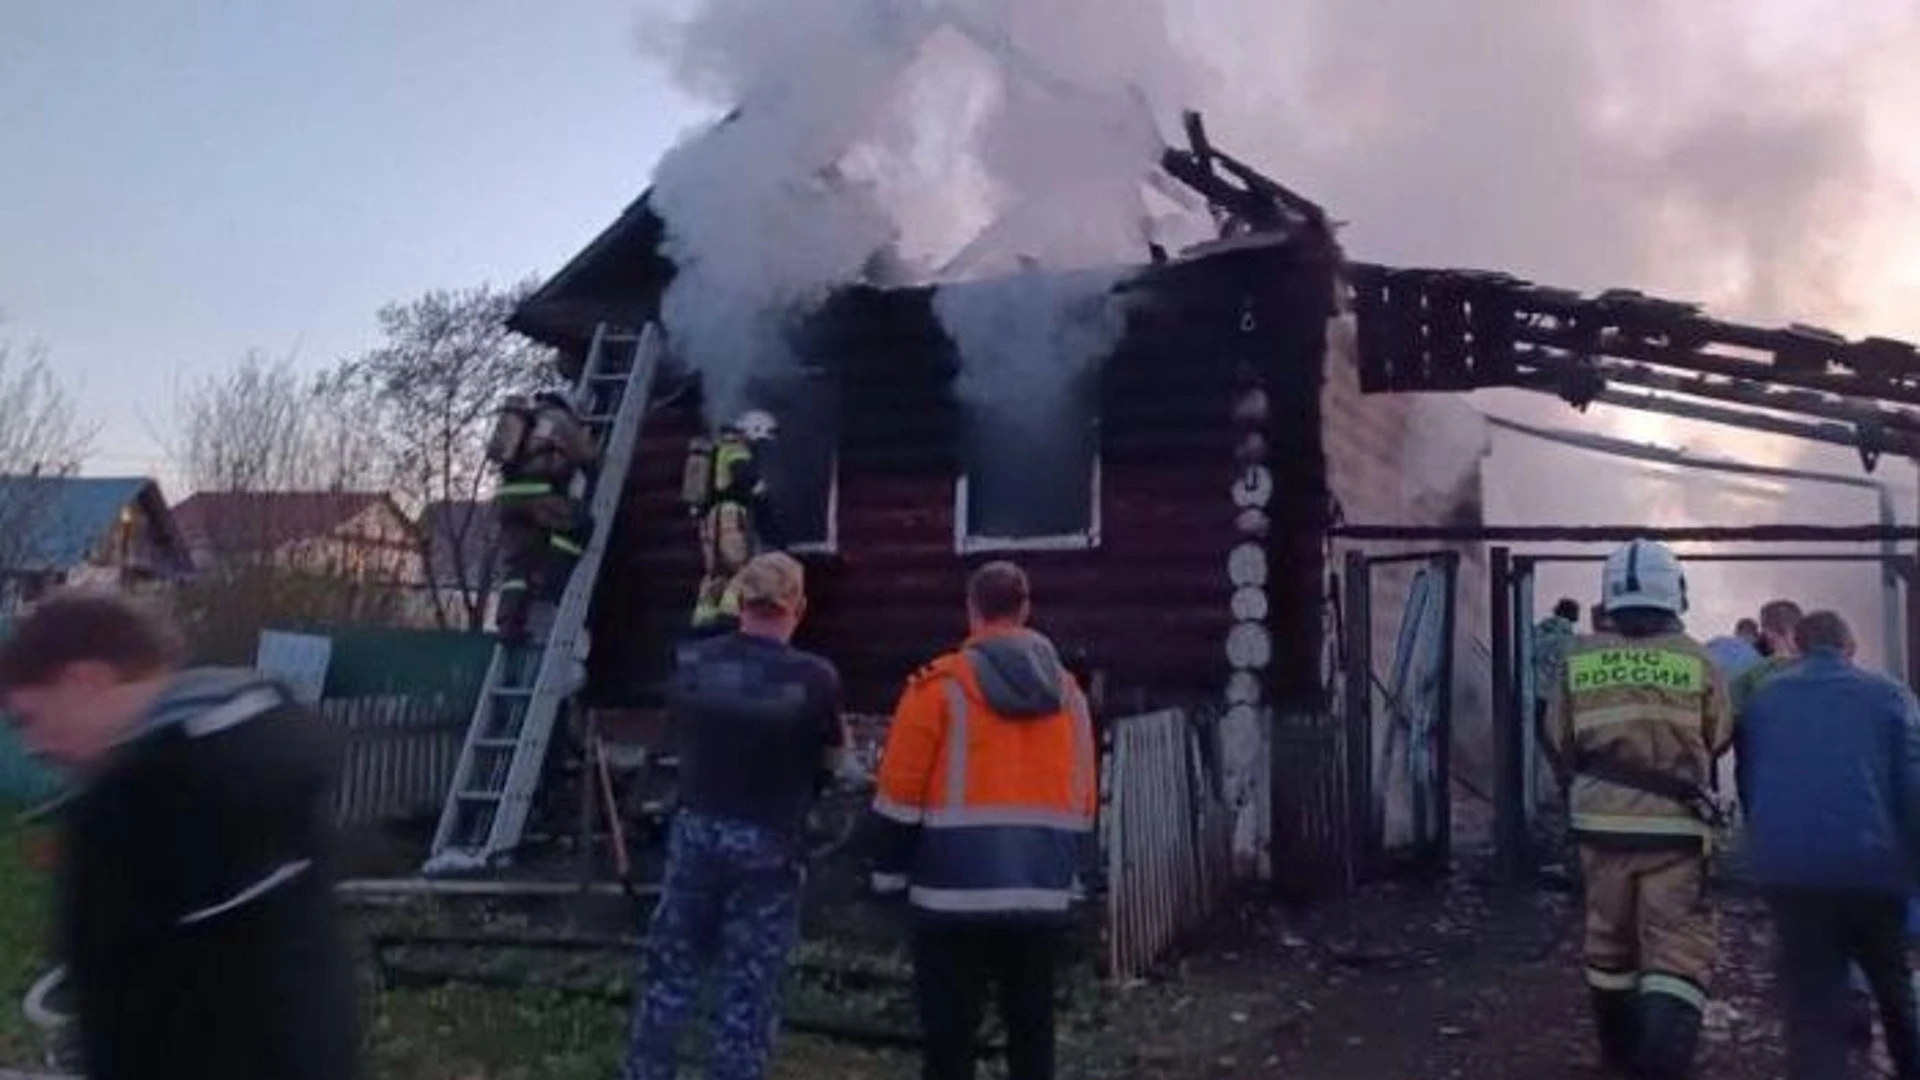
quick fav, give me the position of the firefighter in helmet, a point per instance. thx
(539, 446)
(725, 487)
(1638, 716)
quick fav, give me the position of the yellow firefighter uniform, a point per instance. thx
(1638, 717)
(730, 532)
(543, 529)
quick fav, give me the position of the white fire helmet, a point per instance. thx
(756, 424)
(1644, 574)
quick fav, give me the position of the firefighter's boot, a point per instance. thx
(1668, 1036)
(1613, 1021)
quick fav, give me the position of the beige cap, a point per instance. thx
(775, 579)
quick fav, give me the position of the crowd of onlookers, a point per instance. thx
(1824, 802)
(197, 919)
(199, 930)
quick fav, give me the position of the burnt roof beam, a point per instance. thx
(1652, 345)
(1834, 434)
(1563, 366)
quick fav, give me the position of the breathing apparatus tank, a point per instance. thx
(696, 476)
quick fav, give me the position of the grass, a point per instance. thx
(466, 1033)
(444, 1033)
(24, 888)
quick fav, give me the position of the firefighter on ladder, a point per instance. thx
(1638, 717)
(725, 487)
(540, 446)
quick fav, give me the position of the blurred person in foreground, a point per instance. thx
(195, 900)
(1638, 719)
(986, 800)
(758, 729)
(1829, 770)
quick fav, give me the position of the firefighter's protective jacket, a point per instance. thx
(988, 784)
(1653, 705)
(556, 445)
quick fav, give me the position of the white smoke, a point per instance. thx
(1740, 154)
(954, 139)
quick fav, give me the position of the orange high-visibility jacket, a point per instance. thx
(988, 783)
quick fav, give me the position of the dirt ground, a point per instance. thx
(1402, 982)
(1416, 983)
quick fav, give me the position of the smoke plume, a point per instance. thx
(1738, 154)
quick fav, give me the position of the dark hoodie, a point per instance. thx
(196, 912)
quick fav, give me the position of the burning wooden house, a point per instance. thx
(1175, 526)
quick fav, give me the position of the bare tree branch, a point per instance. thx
(257, 430)
(429, 394)
(40, 436)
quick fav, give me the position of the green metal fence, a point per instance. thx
(374, 661)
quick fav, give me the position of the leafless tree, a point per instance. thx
(262, 425)
(429, 394)
(258, 429)
(41, 439)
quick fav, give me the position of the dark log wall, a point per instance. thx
(1149, 607)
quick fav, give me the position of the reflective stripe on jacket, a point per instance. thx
(988, 784)
(1655, 703)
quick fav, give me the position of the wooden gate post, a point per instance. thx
(1509, 766)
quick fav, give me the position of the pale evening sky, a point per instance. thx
(181, 182)
(184, 181)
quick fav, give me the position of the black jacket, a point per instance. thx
(197, 917)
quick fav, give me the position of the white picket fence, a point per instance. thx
(400, 755)
(1168, 834)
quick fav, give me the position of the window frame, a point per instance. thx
(830, 545)
(966, 543)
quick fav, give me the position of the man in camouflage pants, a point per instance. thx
(757, 725)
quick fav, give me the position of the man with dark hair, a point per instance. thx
(758, 728)
(1829, 771)
(986, 795)
(195, 913)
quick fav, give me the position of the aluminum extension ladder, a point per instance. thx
(505, 751)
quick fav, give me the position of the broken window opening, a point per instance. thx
(1028, 486)
(802, 463)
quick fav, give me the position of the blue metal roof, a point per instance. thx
(66, 516)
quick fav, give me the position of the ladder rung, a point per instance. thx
(610, 376)
(619, 339)
(513, 691)
(496, 744)
(480, 796)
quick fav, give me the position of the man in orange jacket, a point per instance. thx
(987, 791)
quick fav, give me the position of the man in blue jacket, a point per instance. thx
(1829, 770)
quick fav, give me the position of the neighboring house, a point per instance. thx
(462, 541)
(112, 531)
(362, 536)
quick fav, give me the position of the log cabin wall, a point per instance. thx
(1151, 609)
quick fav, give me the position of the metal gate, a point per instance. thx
(1399, 719)
(1522, 780)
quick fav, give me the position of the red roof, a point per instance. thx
(236, 522)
